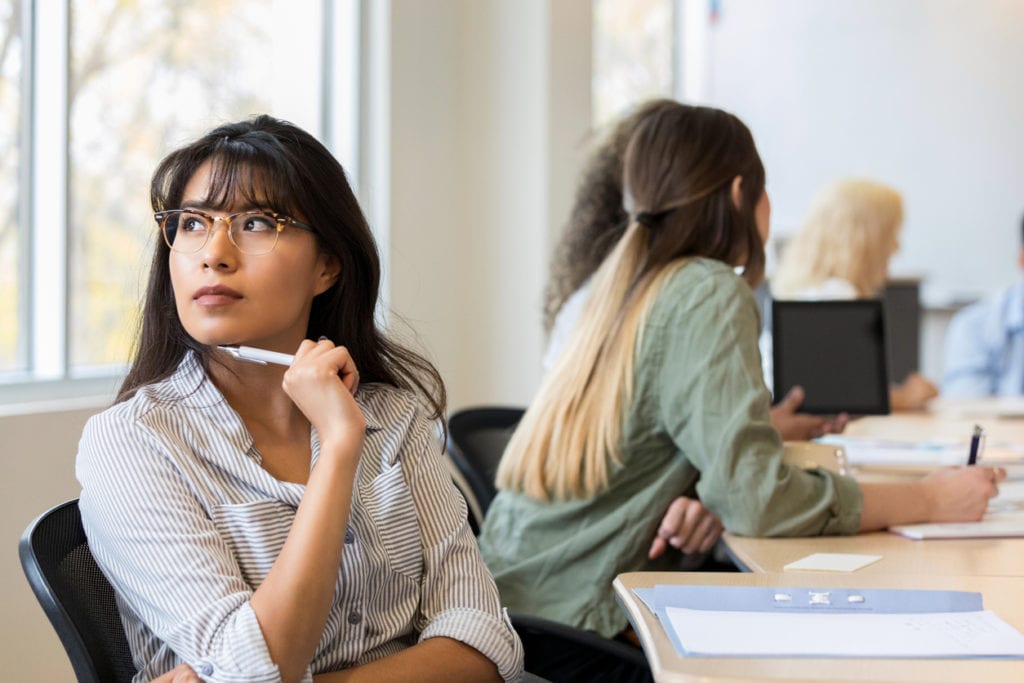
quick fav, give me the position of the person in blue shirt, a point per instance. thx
(985, 345)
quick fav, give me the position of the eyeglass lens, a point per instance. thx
(252, 232)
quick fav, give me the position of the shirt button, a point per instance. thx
(354, 618)
(206, 669)
(350, 536)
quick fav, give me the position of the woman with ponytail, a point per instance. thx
(660, 394)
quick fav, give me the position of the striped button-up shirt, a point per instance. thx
(186, 524)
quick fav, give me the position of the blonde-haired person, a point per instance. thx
(660, 391)
(842, 252)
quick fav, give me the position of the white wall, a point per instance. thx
(37, 456)
(490, 105)
(922, 94)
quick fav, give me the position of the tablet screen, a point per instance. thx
(836, 351)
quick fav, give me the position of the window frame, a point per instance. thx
(44, 311)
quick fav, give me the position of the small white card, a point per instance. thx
(832, 562)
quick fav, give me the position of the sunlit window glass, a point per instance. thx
(11, 331)
(632, 54)
(146, 76)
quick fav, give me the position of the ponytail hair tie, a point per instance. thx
(650, 220)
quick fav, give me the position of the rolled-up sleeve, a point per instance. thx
(164, 556)
(459, 599)
(714, 404)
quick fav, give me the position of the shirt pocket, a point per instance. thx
(389, 504)
(255, 532)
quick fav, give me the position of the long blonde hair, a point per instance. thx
(851, 231)
(679, 168)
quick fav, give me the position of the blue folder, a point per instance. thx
(806, 600)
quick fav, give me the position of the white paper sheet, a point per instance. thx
(862, 451)
(789, 634)
(832, 562)
(872, 452)
(994, 525)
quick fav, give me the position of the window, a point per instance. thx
(117, 85)
(633, 49)
(11, 290)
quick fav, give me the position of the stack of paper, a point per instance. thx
(873, 452)
(867, 452)
(740, 621)
(1004, 519)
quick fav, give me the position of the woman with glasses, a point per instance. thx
(261, 522)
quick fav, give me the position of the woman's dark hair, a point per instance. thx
(274, 164)
(598, 219)
(678, 172)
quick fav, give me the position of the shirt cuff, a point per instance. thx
(491, 636)
(847, 507)
(245, 659)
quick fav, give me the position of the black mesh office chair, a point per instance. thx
(79, 600)
(568, 654)
(75, 596)
(476, 440)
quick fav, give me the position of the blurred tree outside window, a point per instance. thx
(145, 77)
(93, 94)
(632, 54)
(10, 160)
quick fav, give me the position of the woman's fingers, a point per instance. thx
(324, 350)
(687, 526)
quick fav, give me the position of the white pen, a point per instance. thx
(260, 356)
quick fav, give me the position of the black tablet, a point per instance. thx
(836, 351)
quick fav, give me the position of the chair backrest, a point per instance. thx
(476, 440)
(75, 595)
(561, 652)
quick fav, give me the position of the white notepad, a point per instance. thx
(832, 562)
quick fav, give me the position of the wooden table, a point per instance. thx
(1002, 595)
(941, 423)
(959, 557)
(966, 557)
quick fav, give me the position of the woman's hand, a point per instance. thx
(960, 494)
(322, 381)
(795, 426)
(913, 393)
(182, 673)
(687, 526)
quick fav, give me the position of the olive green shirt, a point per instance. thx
(698, 423)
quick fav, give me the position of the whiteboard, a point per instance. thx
(925, 95)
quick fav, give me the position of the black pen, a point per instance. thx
(972, 457)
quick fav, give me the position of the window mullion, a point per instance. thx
(23, 349)
(49, 192)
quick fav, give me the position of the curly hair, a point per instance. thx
(598, 218)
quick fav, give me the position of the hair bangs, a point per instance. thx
(241, 176)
